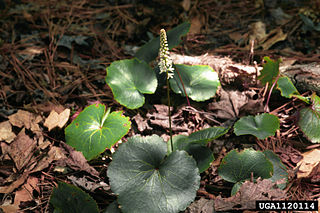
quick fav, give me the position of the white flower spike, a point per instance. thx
(165, 62)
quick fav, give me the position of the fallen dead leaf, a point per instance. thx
(26, 191)
(20, 150)
(10, 188)
(76, 161)
(201, 205)
(54, 154)
(310, 161)
(248, 194)
(88, 184)
(26, 119)
(57, 120)
(6, 133)
(273, 37)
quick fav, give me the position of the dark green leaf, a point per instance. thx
(150, 50)
(236, 167)
(147, 181)
(279, 170)
(94, 130)
(70, 199)
(270, 71)
(129, 80)
(309, 120)
(261, 126)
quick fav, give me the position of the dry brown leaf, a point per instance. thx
(6, 133)
(310, 161)
(57, 120)
(10, 188)
(26, 119)
(26, 191)
(76, 161)
(21, 150)
(275, 36)
(55, 154)
(248, 194)
(202, 205)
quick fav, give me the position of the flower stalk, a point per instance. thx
(165, 65)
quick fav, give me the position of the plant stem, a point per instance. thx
(267, 103)
(169, 111)
(184, 89)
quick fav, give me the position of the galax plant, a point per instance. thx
(150, 175)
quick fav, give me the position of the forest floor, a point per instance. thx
(53, 59)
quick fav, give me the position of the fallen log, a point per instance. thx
(305, 77)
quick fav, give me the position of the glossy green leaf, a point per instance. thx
(286, 87)
(309, 120)
(200, 81)
(95, 129)
(261, 126)
(129, 79)
(236, 167)
(145, 180)
(150, 50)
(279, 170)
(270, 71)
(68, 198)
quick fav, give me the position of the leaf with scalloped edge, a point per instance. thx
(146, 180)
(95, 129)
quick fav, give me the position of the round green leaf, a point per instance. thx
(70, 199)
(200, 82)
(94, 130)
(238, 166)
(145, 180)
(279, 170)
(309, 123)
(261, 126)
(129, 79)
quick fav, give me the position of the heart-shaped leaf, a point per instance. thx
(270, 70)
(261, 126)
(195, 145)
(129, 79)
(147, 181)
(309, 120)
(150, 50)
(69, 198)
(286, 87)
(94, 130)
(200, 81)
(236, 167)
(279, 170)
